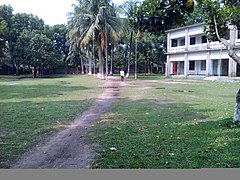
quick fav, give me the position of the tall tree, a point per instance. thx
(220, 16)
(21, 22)
(128, 8)
(94, 19)
(156, 16)
(6, 13)
(40, 51)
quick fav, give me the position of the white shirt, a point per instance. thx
(121, 73)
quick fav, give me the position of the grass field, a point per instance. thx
(171, 123)
(175, 123)
(31, 109)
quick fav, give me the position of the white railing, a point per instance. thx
(197, 47)
(216, 45)
(201, 47)
(177, 49)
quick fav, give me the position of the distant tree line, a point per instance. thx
(28, 45)
(100, 37)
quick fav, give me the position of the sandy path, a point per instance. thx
(67, 149)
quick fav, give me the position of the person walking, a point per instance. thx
(122, 75)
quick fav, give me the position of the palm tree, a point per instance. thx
(94, 18)
(128, 10)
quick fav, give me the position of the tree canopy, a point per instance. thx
(25, 41)
(159, 15)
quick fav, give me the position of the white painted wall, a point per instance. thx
(196, 30)
(177, 57)
(197, 56)
(219, 54)
(177, 34)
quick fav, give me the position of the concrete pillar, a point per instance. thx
(168, 67)
(186, 39)
(168, 42)
(208, 64)
(233, 36)
(219, 70)
(186, 66)
(234, 68)
(231, 68)
(168, 64)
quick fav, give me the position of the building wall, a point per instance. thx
(188, 48)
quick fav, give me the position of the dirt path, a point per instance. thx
(67, 149)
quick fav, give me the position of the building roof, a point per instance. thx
(184, 27)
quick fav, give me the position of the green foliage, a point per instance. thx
(3, 31)
(225, 12)
(19, 35)
(5, 23)
(157, 16)
(93, 22)
(151, 57)
(195, 17)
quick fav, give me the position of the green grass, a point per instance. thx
(148, 76)
(176, 123)
(31, 109)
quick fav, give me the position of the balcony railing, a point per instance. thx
(197, 47)
(201, 47)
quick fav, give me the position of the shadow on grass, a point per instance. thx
(21, 91)
(25, 124)
(175, 135)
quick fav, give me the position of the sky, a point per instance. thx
(51, 11)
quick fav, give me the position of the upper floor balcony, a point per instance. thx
(216, 45)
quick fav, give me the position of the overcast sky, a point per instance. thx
(51, 11)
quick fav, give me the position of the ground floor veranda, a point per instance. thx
(202, 64)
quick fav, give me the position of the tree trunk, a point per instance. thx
(129, 55)
(66, 69)
(236, 117)
(81, 63)
(93, 55)
(29, 69)
(89, 62)
(17, 69)
(149, 67)
(100, 52)
(136, 52)
(34, 72)
(39, 71)
(111, 67)
(106, 49)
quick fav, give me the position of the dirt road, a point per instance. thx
(67, 149)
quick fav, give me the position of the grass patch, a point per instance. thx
(148, 76)
(32, 109)
(176, 123)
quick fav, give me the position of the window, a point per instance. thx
(191, 65)
(203, 65)
(192, 40)
(204, 39)
(174, 42)
(182, 42)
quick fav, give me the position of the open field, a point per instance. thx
(158, 123)
(170, 123)
(31, 109)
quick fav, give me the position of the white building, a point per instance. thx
(190, 54)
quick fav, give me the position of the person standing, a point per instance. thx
(122, 75)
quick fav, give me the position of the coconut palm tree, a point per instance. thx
(94, 18)
(128, 9)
